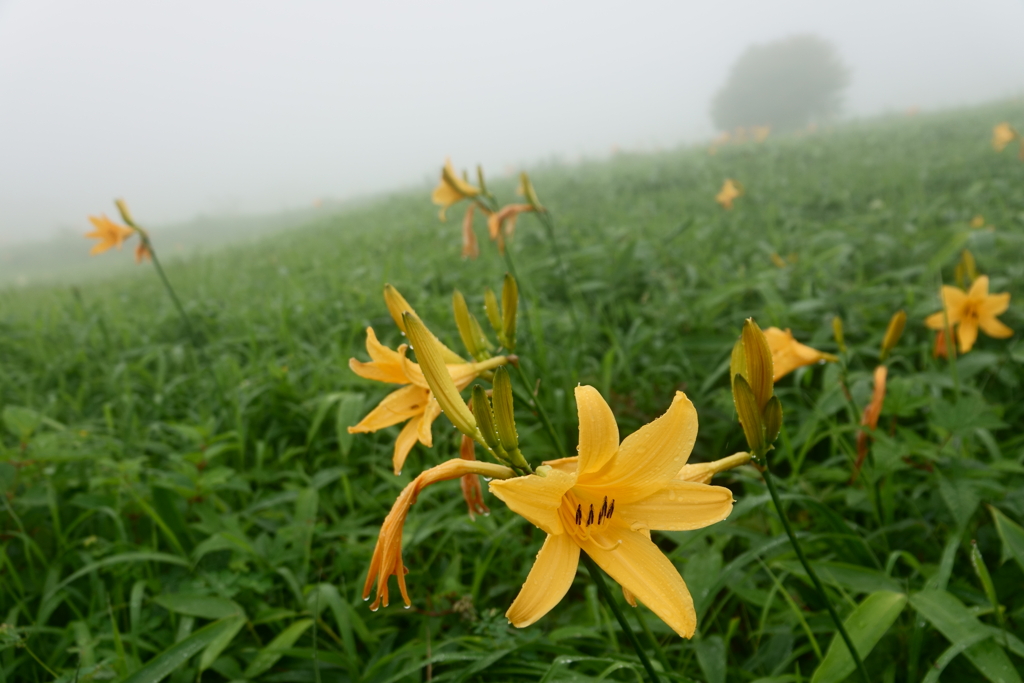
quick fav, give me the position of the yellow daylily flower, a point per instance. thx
(608, 504)
(109, 234)
(788, 354)
(1002, 135)
(978, 222)
(451, 189)
(414, 401)
(970, 310)
(730, 191)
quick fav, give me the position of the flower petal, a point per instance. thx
(967, 334)
(937, 321)
(431, 413)
(649, 458)
(568, 465)
(641, 568)
(995, 304)
(537, 498)
(680, 506)
(599, 435)
(953, 300)
(995, 328)
(404, 443)
(979, 288)
(548, 582)
(398, 406)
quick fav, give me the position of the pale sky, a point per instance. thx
(221, 106)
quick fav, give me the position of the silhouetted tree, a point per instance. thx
(785, 84)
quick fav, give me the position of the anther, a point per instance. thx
(604, 510)
(579, 515)
(590, 517)
(611, 509)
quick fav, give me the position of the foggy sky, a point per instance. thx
(220, 106)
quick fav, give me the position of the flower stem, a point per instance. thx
(813, 576)
(189, 329)
(602, 588)
(174, 296)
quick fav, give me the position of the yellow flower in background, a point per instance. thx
(760, 133)
(730, 191)
(413, 403)
(606, 504)
(788, 354)
(1002, 135)
(978, 222)
(969, 310)
(451, 189)
(109, 234)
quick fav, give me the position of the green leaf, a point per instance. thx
(711, 658)
(1011, 534)
(866, 625)
(959, 626)
(175, 656)
(269, 655)
(203, 606)
(220, 643)
(21, 422)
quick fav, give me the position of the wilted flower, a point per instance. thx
(470, 248)
(730, 191)
(387, 554)
(109, 234)
(967, 311)
(502, 224)
(869, 418)
(606, 502)
(788, 354)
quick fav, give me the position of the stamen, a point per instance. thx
(579, 515)
(611, 509)
(604, 510)
(590, 517)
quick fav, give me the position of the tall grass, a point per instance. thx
(151, 524)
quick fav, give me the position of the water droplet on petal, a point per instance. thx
(366, 598)
(407, 607)
(373, 608)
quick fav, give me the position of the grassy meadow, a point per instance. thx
(204, 514)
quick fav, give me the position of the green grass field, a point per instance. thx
(204, 515)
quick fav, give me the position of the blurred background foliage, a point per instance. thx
(203, 514)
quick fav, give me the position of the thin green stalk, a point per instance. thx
(181, 309)
(542, 413)
(174, 296)
(813, 576)
(602, 588)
